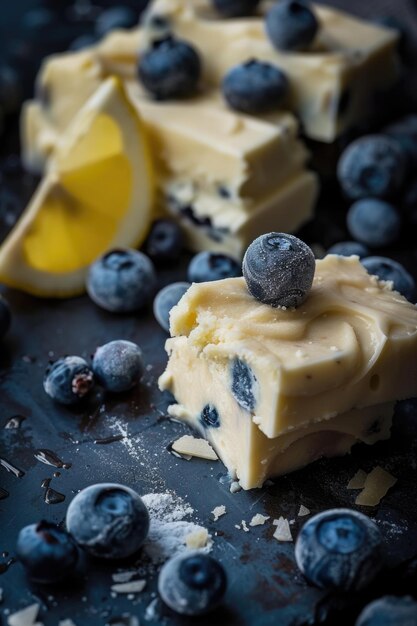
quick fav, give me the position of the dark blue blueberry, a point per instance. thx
(207, 266)
(5, 317)
(349, 248)
(68, 380)
(81, 42)
(171, 68)
(404, 131)
(116, 17)
(279, 269)
(236, 8)
(108, 520)
(165, 241)
(291, 25)
(118, 365)
(48, 553)
(121, 281)
(255, 87)
(192, 583)
(165, 300)
(209, 417)
(374, 222)
(372, 166)
(389, 611)
(244, 385)
(339, 549)
(387, 269)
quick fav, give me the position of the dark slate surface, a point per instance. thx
(265, 587)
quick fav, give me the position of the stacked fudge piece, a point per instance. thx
(227, 177)
(274, 389)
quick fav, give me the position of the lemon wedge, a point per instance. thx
(97, 194)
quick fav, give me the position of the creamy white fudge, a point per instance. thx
(335, 84)
(226, 177)
(264, 384)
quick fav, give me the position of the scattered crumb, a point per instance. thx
(377, 484)
(283, 530)
(292, 521)
(151, 612)
(218, 511)
(197, 539)
(25, 617)
(303, 511)
(192, 446)
(358, 480)
(124, 577)
(134, 586)
(258, 520)
(235, 486)
(245, 526)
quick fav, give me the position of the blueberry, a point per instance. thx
(5, 317)
(121, 281)
(165, 300)
(244, 384)
(68, 380)
(374, 222)
(48, 553)
(165, 241)
(192, 583)
(279, 269)
(118, 365)
(404, 131)
(291, 25)
(372, 166)
(207, 266)
(116, 17)
(389, 611)
(349, 248)
(209, 417)
(171, 68)
(236, 8)
(339, 549)
(387, 269)
(108, 520)
(255, 87)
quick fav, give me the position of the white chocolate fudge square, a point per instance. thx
(201, 389)
(351, 344)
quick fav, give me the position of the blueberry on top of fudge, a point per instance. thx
(339, 549)
(171, 68)
(291, 25)
(279, 270)
(372, 166)
(255, 87)
(235, 8)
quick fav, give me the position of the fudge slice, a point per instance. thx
(275, 379)
(335, 85)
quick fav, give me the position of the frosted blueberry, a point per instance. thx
(339, 549)
(192, 583)
(279, 269)
(118, 365)
(374, 222)
(68, 380)
(291, 25)
(165, 300)
(108, 520)
(244, 385)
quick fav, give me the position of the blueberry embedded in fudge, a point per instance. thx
(235, 8)
(255, 87)
(340, 549)
(291, 25)
(374, 222)
(171, 68)
(244, 384)
(279, 270)
(209, 417)
(192, 583)
(390, 270)
(372, 166)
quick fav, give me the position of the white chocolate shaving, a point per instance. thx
(283, 530)
(358, 480)
(134, 586)
(258, 520)
(303, 511)
(192, 446)
(377, 484)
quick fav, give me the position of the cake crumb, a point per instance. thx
(134, 586)
(377, 484)
(258, 520)
(197, 539)
(358, 480)
(192, 446)
(244, 526)
(303, 511)
(25, 617)
(218, 511)
(235, 486)
(283, 530)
